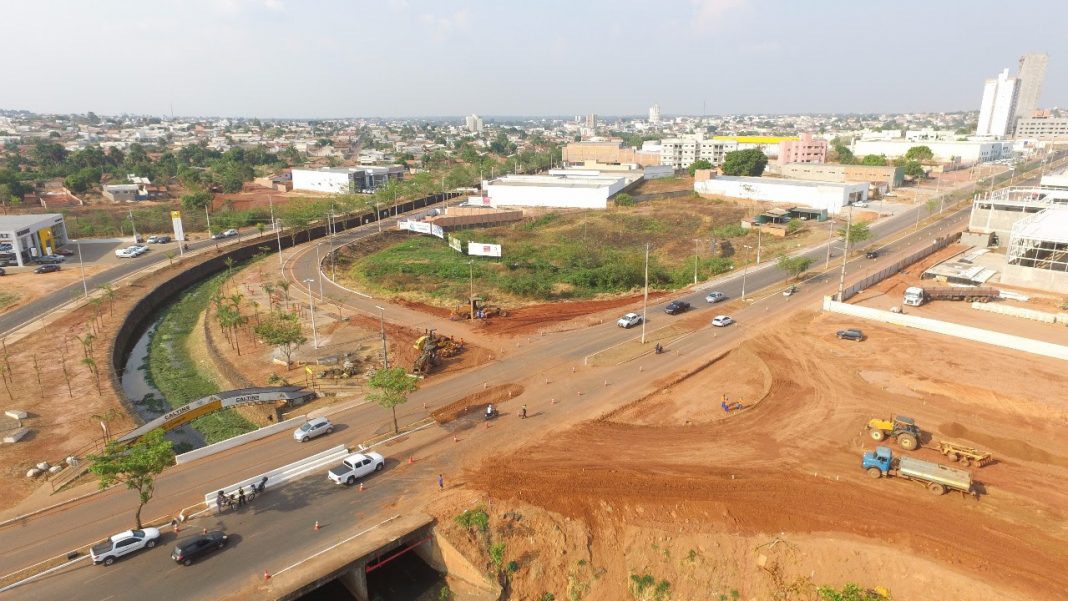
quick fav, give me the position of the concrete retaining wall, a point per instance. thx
(1018, 343)
(1022, 312)
(230, 443)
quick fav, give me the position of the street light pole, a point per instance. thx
(830, 242)
(745, 268)
(758, 245)
(845, 252)
(85, 287)
(319, 271)
(311, 301)
(382, 329)
(471, 295)
(378, 217)
(645, 301)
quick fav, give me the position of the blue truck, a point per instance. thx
(936, 477)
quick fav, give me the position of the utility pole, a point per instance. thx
(758, 245)
(378, 217)
(311, 301)
(830, 242)
(745, 268)
(206, 216)
(85, 287)
(471, 296)
(133, 226)
(845, 253)
(696, 251)
(645, 301)
(382, 329)
(319, 271)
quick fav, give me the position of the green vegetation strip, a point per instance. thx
(174, 372)
(7, 299)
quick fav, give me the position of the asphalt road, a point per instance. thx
(274, 532)
(29, 312)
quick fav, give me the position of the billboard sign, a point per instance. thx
(478, 249)
(456, 244)
(176, 221)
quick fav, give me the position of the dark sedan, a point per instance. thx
(197, 546)
(49, 268)
(850, 334)
(676, 307)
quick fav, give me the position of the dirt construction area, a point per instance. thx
(770, 501)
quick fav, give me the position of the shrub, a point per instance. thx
(496, 553)
(472, 518)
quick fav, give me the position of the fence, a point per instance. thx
(1018, 343)
(897, 266)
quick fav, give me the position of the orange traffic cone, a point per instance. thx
(266, 575)
(361, 486)
(410, 460)
(455, 439)
(316, 525)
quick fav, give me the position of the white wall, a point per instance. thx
(830, 196)
(1018, 343)
(582, 197)
(320, 181)
(968, 152)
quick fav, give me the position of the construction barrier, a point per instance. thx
(1022, 312)
(239, 440)
(897, 266)
(283, 474)
(1018, 343)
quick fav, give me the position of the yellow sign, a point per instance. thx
(176, 214)
(308, 369)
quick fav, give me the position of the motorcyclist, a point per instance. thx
(220, 500)
(262, 485)
(659, 349)
(490, 411)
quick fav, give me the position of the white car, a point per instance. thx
(125, 253)
(628, 320)
(316, 426)
(139, 249)
(356, 466)
(861, 204)
(230, 233)
(123, 543)
(722, 321)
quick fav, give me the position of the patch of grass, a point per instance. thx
(8, 298)
(474, 518)
(559, 255)
(496, 553)
(173, 372)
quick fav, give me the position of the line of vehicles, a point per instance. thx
(937, 478)
(677, 307)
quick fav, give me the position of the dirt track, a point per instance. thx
(675, 464)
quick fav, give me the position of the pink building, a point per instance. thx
(805, 150)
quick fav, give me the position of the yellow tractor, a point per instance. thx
(901, 428)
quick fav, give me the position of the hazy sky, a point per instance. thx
(320, 58)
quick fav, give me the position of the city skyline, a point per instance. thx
(405, 58)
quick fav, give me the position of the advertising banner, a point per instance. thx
(456, 244)
(478, 249)
(176, 221)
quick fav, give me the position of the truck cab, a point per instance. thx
(914, 296)
(878, 462)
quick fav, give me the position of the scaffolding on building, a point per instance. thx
(1041, 240)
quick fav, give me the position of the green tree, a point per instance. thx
(844, 154)
(281, 329)
(699, 164)
(914, 169)
(794, 266)
(391, 385)
(794, 225)
(858, 232)
(750, 162)
(874, 160)
(136, 466)
(919, 153)
(195, 201)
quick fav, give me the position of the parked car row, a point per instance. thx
(230, 233)
(129, 252)
(185, 551)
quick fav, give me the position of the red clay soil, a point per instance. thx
(477, 402)
(528, 320)
(789, 464)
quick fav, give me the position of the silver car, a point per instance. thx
(314, 427)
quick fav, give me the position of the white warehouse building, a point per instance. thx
(828, 196)
(555, 191)
(966, 152)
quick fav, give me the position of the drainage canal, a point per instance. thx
(406, 578)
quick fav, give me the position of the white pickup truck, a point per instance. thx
(122, 544)
(356, 466)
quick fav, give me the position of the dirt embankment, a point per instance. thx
(672, 487)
